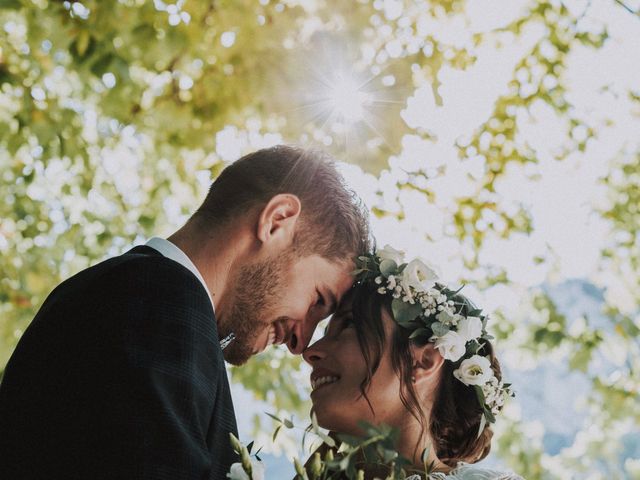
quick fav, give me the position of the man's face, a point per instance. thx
(281, 300)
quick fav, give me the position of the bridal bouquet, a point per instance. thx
(340, 457)
(248, 468)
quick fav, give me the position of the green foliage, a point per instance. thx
(283, 391)
(350, 457)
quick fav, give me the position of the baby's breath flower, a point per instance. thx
(408, 299)
(417, 284)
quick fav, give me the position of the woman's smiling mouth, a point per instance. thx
(321, 377)
(315, 384)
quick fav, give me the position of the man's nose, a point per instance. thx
(301, 335)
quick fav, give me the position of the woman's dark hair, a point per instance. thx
(456, 413)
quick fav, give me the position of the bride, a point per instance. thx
(405, 351)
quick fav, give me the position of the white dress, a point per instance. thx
(465, 471)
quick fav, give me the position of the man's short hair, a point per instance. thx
(333, 221)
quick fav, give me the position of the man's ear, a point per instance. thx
(427, 362)
(277, 220)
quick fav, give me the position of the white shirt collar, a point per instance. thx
(172, 251)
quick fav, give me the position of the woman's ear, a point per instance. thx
(277, 220)
(427, 362)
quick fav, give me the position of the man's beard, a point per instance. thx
(257, 288)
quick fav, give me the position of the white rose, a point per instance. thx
(418, 275)
(390, 253)
(470, 328)
(474, 371)
(236, 472)
(451, 346)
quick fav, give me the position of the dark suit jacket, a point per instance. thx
(119, 376)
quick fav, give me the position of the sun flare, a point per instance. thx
(347, 100)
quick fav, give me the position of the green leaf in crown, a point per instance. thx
(431, 312)
(405, 313)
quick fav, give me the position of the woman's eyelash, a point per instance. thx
(338, 324)
(347, 321)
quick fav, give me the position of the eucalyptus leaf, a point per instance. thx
(388, 267)
(479, 394)
(404, 312)
(483, 423)
(489, 414)
(388, 455)
(425, 454)
(473, 347)
(351, 468)
(274, 417)
(235, 443)
(349, 440)
(439, 329)
(457, 291)
(345, 462)
(299, 468)
(412, 325)
(327, 439)
(419, 333)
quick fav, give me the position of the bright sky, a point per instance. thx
(561, 196)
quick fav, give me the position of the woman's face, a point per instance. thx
(338, 371)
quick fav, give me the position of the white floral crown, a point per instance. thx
(422, 304)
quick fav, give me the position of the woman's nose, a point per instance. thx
(313, 353)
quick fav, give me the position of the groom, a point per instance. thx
(121, 374)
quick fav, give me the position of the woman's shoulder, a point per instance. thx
(465, 471)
